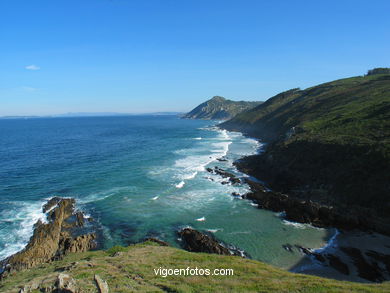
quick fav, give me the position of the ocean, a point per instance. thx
(139, 177)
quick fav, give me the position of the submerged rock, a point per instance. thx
(366, 270)
(224, 174)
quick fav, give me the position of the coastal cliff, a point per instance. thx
(327, 156)
(219, 108)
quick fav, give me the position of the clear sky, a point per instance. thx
(144, 56)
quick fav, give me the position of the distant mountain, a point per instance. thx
(219, 108)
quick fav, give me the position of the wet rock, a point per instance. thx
(304, 250)
(327, 259)
(381, 258)
(366, 270)
(224, 174)
(80, 219)
(52, 240)
(319, 257)
(288, 247)
(195, 241)
(51, 203)
(306, 211)
(222, 160)
(337, 264)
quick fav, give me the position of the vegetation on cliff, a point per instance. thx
(329, 144)
(219, 108)
(132, 269)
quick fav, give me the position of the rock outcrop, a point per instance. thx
(196, 241)
(307, 211)
(224, 174)
(101, 284)
(54, 239)
(61, 283)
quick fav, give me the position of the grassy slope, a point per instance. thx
(341, 141)
(352, 110)
(132, 270)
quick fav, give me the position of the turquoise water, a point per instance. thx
(138, 176)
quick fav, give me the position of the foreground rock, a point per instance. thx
(52, 240)
(195, 241)
(53, 283)
(101, 284)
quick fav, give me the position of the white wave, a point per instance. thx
(189, 176)
(300, 225)
(332, 242)
(294, 224)
(197, 138)
(224, 133)
(213, 230)
(180, 185)
(22, 217)
(93, 197)
(241, 232)
(202, 219)
(155, 198)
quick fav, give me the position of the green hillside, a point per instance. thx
(352, 110)
(131, 269)
(329, 143)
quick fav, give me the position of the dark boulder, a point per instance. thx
(195, 241)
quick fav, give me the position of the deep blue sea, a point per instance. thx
(138, 176)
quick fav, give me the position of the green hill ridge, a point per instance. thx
(329, 144)
(219, 108)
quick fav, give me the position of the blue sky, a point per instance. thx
(145, 56)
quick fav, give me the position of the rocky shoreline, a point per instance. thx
(63, 233)
(352, 260)
(349, 259)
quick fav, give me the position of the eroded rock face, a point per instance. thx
(51, 240)
(307, 211)
(196, 241)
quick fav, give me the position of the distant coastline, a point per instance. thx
(92, 114)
